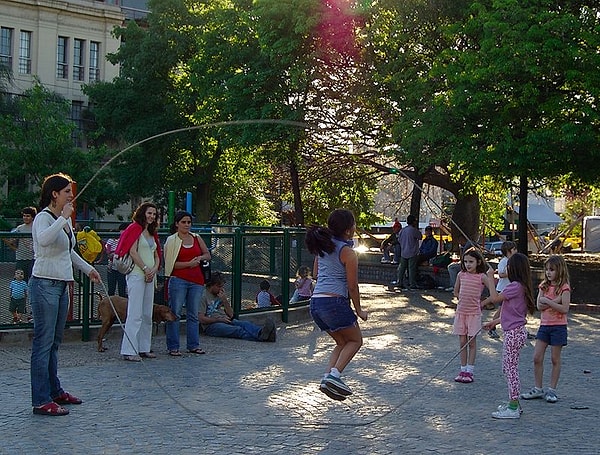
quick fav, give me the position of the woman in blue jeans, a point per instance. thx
(53, 244)
(184, 252)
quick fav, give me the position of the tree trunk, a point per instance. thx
(522, 244)
(466, 216)
(295, 182)
(415, 198)
(202, 203)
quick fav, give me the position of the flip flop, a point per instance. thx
(196, 351)
(175, 353)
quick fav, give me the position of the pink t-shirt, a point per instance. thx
(469, 295)
(304, 286)
(550, 316)
(514, 306)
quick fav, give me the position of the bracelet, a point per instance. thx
(145, 268)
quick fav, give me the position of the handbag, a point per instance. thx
(123, 264)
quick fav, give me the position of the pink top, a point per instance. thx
(550, 316)
(469, 296)
(514, 307)
(304, 286)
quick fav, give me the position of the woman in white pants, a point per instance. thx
(140, 240)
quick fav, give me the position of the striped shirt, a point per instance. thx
(469, 296)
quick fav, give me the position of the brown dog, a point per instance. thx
(106, 314)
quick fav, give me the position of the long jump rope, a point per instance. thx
(241, 425)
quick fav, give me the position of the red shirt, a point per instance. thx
(186, 254)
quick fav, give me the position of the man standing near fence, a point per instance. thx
(409, 239)
(23, 247)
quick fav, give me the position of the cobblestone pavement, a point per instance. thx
(261, 398)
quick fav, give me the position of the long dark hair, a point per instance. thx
(475, 254)
(139, 216)
(54, 182)
(319, 240)
(519, 270)
(180, 215)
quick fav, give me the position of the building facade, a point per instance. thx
(61, 43)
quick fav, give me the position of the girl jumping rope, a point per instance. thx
(517, 301)
(336, 270)
(467, 321)
(553, 301)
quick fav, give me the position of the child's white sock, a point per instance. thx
(335, 373)
(470, 368)
(463, 368)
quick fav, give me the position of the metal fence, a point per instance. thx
(246, 255)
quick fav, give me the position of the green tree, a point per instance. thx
(37, 140)
(238, 62)
(525, 88)
(403, 41)
(491, 88)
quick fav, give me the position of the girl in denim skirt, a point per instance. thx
(553, 301)
(336, 272)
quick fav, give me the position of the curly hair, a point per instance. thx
(139, 216)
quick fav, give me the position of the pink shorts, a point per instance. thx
(466, 324)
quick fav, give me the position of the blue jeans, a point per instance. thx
(49, 300)
(244, 330)
(397, 252)
(183, 292)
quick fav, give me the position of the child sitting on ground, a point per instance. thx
(264, 298)
(304, 285)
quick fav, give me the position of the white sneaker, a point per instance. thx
(533, 393)
(550, 396)
(506, 413)
(385, 261)
(504, 406)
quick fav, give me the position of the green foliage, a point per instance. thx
(524, 85)
(350, 189)
(37, 141)
(225, 61)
